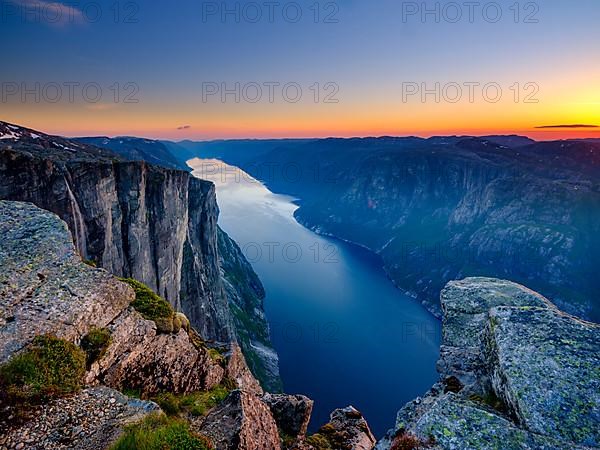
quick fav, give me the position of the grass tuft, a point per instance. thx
(49, 367)
(196, 404)
(95, 344)
(151, 306)
(158, 432)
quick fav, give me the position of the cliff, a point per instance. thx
(515, 373)
(136, 220)
(440, 209)
(74, 339)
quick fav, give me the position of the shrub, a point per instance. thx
(95, 344)
(90, 262)
(49, 367)
(158, 432)
(196, 404)
(148, 304)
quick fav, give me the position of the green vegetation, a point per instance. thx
(196, 404)
(328, 437)
(49, 367)
(95, 344)
(147, 303)
(319, 442)
(216, 355)
(158, 432)
(90, 262)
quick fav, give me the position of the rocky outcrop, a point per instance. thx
(241, 422)
(44, 286)
(516, 373)
(291, 412)
(47, 289)
(87, 421)
(347, 429)
(139, 221)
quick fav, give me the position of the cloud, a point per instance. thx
(48, 12)
(184, 127)
(567, 126)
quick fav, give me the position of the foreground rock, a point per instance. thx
(291, 412)
(516, 373)
(241, 422)
(87, 421)
(44, 286)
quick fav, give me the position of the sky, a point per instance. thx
(226, 69)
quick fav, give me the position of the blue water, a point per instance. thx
(344, 334)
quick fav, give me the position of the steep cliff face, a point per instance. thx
(136, 220)
(515, 373)
(246, 293)
(445, 208)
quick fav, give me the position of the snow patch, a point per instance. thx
(10, 135)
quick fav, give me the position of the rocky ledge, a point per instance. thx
(516, 373)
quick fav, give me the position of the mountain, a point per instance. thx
(141, 221)
(444, 208)
(138, 149)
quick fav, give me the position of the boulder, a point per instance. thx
(516, 373)
(545, 366)
(291, 412)
(241, 422)
(348, 430)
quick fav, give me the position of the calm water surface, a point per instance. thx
(343, 332)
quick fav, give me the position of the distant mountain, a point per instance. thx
(444, 208)
(510, 141)
(139, 149)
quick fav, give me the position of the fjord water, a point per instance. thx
(344, 334)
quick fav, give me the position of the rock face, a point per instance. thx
(241, 422)
(135, 220)
(46, 289)
(87, 421)
(515, 373)
(44, 286)
(446, 208)
(351, 430)
(291, 412)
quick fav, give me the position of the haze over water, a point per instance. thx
(343, 332)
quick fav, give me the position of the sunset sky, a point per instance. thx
(364, 54)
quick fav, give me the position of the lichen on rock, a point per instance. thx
(515, 373)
